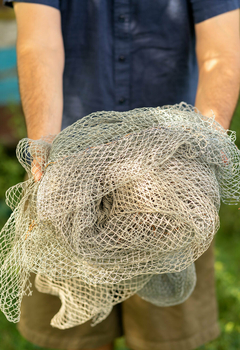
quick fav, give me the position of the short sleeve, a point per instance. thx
(52, 3)
(205, 9)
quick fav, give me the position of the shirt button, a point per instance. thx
(121, 58)
(122, 100)
(121, 18)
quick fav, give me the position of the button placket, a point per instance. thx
(122, 58)
(122, 50)
(121, 100)
(121, 18)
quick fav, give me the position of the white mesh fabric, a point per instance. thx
(170, 289)
(125, 198)
(82, 301)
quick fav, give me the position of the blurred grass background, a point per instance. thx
(227, 249)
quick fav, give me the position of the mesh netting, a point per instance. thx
(169, 289)
(126, 204)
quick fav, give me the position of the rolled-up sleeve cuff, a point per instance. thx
(52, 3)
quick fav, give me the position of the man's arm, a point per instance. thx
(40, 59)
(218, 54)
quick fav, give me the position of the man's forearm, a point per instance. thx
(40, 79)
(40, 58)
(218, 88)
(218, 54)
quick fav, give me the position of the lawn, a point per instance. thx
(227, 265)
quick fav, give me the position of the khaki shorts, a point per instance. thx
(145, 326)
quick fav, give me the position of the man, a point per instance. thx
(76, 57)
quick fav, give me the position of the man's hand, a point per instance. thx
(36, 169)
(218, 54)
(40, 59)
(39, 151)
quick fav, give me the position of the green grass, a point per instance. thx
(227, 267)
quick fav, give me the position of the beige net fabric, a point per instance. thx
(82, 301)
(125, 198)
(170, 289)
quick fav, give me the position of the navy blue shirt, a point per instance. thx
(123, 54)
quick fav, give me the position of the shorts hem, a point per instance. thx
(183, 344)
(79, 343)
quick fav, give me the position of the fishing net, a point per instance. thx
(170, 289)
(126, 203)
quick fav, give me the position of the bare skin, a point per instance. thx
(40, 67)
(41, 51)
(218, 55)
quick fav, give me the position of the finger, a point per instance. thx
(37, 169)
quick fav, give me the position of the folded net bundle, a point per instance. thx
(126, 204)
